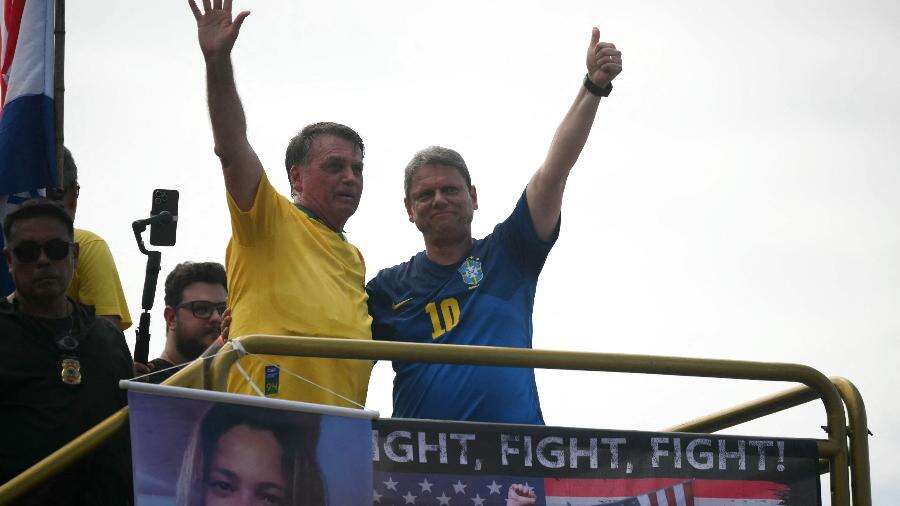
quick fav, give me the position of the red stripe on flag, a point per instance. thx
(585, 487)
(725, 489)
(652, 498)
(738, 489)
(688, 493)
(12, 18)
(670, 496)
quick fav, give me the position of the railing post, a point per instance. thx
(859, 441)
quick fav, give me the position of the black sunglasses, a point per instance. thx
(203, 308)
(30, 251)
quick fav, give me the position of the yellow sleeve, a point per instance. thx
(262, 219)
(99, 284)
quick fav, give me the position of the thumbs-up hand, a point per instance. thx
(604, 61)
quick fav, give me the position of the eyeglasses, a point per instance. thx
(203, 309)
(29, 251)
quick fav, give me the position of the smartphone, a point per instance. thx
(163, 234)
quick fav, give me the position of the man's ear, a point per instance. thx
(8, 256)
(70, 202)
(474, 195)
(169, 315)
(294, 176)
(409, 212)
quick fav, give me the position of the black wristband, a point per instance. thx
(596, 90)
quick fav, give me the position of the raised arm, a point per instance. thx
(545, 190)
(217, 32)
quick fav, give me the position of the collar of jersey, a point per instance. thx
(443, 269)
(309, 212)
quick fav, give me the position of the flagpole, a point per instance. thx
(59, 58)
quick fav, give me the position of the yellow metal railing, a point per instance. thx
(858, 430)
(834, 448)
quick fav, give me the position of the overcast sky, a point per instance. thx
(739, 196)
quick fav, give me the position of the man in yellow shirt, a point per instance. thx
(290, 269)
(96, 280)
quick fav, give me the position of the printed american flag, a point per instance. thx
(447, 489)
(681, 494)
(661, 492)
(489, 490)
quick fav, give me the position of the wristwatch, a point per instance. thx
(596, 90)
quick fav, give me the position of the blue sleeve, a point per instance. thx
(379, 308)
(521, 240)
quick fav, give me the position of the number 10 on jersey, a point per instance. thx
(449, 310)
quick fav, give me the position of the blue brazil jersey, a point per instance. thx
(486, 299)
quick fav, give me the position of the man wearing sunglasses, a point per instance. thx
(195, 306)
(60, 364)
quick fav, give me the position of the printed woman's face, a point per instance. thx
(246, 470)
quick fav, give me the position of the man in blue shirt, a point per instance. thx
(479, 292)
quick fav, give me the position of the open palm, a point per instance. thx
(216, 30)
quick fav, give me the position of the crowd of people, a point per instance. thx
(289, 270)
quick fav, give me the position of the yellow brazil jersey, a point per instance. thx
(289, 274)
(96, 280)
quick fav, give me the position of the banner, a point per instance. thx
(449, 464)
(193, 447)
(27, 134)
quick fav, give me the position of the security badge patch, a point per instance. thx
(471, 272)
(70, 371)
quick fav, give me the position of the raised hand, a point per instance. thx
(520, 495)
(216, 31)
(604, 61)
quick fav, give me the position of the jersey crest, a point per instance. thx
(471, 271)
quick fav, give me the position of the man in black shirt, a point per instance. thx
(196, 293)
(60, 365)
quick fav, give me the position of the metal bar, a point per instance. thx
(82, 445)
(835, 447)
(859, 441)
(747, 411)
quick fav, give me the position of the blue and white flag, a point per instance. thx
(27, 135)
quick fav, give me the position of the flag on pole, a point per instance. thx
(27, 133)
